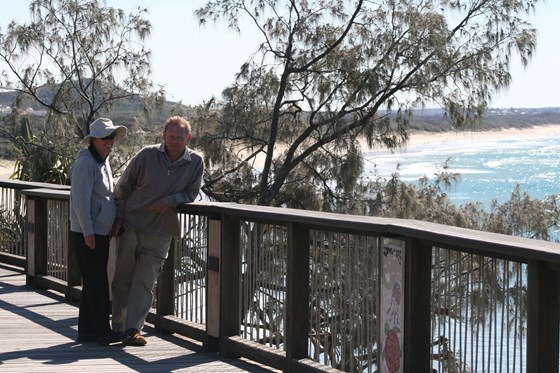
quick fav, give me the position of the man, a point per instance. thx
(158, 178)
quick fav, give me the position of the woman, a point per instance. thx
(92, 211)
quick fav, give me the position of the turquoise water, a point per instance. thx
(489, 169)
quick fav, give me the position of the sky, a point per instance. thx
(194, 63)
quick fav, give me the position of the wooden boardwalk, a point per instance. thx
(38, 332)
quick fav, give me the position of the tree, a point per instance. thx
(74, 60)
(331, 72)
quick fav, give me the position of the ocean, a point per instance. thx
(489, 169)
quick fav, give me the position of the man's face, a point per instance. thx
(175, 139)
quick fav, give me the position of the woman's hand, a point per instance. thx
(90, 241)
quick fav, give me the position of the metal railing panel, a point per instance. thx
(12, 221)
(57, 239)
(344, 298)
(479, 308)
(263, 283)
(191, 254)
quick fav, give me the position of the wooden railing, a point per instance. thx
(309, 291)
(13, 212)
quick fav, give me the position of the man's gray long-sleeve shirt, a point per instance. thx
(151, 176)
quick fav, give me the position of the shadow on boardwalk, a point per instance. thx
(38, 331)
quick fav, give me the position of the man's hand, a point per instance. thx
(160, 205)
(116, 228)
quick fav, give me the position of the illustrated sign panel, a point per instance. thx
(392, 306)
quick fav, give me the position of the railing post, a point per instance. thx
(213, 293)
(542, 318)
(417, 318)
(37, 218)
(74, 275)
(166, 287)
(230, 278)
(297, 294)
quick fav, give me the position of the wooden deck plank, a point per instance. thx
(38, 331)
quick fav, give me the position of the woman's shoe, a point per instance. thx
(112, 337)
(86, 338)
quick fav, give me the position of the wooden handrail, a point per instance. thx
(467, 240)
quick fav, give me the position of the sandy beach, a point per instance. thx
(434, 138)
(418, 139)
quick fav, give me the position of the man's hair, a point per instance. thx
(178, 121)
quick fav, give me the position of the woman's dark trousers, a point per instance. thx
(95, 305)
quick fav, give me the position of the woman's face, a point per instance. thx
(104, 146)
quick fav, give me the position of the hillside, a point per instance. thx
(433, 119)
(426, 120)
(121, 112)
